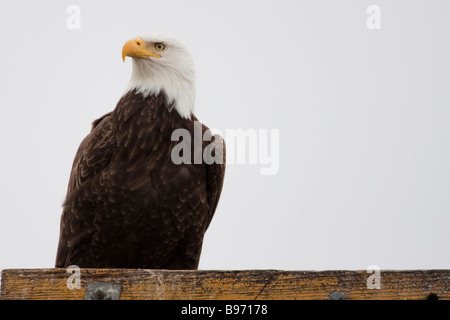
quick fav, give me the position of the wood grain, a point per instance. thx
(139, 284)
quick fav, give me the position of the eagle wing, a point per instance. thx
(93, 154)
(215, 172)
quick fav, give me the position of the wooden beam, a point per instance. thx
(227, 285)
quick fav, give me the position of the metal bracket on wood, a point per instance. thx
(337, 295)
(102, 291)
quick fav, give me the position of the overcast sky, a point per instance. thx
(358, 102)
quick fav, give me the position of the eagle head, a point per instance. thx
(162, 63)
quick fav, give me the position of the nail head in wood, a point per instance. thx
(102, 291)
(336, 295)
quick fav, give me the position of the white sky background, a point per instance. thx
(363, 117)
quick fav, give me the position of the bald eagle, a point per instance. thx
(128, 205)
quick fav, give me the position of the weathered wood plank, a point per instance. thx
(226, 285)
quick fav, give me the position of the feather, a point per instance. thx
(128, 205)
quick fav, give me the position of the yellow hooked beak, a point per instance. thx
(136, 48)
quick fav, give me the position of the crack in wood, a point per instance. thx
(268, 281)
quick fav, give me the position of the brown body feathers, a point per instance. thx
(128, 205)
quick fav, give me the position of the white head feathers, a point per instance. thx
(170, 70)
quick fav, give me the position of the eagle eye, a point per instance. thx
(160, 46)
